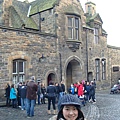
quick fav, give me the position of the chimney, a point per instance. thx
(90, 8)
(5, 16)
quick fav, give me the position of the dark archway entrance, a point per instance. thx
(51, 77)
(73, 72)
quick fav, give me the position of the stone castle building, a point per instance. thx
(55, 40)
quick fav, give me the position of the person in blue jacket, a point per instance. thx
(13, 96)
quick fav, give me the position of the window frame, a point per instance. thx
(103, 69)
(97, 69)
(96, 35)
(75, 27)
(18, 75)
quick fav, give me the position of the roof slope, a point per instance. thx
(19, 17)
(41, 5)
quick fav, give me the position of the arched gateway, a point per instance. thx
(73, 71)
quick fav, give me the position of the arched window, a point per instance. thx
(97, 67)
(18, 70)
(103, 69)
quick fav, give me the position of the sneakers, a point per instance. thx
(28, 117)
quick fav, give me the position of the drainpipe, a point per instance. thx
(60, 67)
(87, 54)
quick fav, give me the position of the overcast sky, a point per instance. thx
(109, 13)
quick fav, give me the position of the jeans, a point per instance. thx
(30, 107)
(61, 95)
(39, 99)
(23, 103)
(14, 103)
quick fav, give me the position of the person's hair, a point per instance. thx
(51, 83)
(12, 86)
(80, 114)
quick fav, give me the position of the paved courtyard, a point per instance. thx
(107, 107)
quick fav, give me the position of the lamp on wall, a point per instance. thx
(42, 58)
(103, 61)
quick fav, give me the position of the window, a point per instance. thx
(73, 28)
(18, 71)
(103, 69)
(115, 68)
(96, 35)
(97, 66)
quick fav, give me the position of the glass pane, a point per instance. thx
(76, 34)
(14, 67)
(70, 33)
(21, 66)
(15, 79)
(76, 22)
(96, 31)
(69, 21)
(21, 78)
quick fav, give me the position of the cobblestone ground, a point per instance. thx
(17, 114)
(107, 107)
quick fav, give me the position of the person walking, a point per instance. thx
(31, 96)
(51, 92)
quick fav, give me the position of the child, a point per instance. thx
(82, 99)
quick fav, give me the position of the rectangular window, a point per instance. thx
(115, 68)
(21, 67)
(73, 28)
(96, 35)
(103, 69)
(97, 66)
(14, 67)
(18, 70)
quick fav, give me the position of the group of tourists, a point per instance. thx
(28, 94)
(84, 90)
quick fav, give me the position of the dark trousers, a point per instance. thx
(43, 100)
(51, 100)
(92, 95)
(8, 101)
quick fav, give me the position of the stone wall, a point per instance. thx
(114, 60)
(20, 44)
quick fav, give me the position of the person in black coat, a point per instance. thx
(7, 94)
(92, 92)
(43, 91)
(23, 90)
(51, 92)
(58, 90)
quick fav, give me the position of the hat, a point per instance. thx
(69, 99)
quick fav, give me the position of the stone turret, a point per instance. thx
(90, 8)
(5, 8)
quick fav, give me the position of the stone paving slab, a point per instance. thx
(40, 113)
